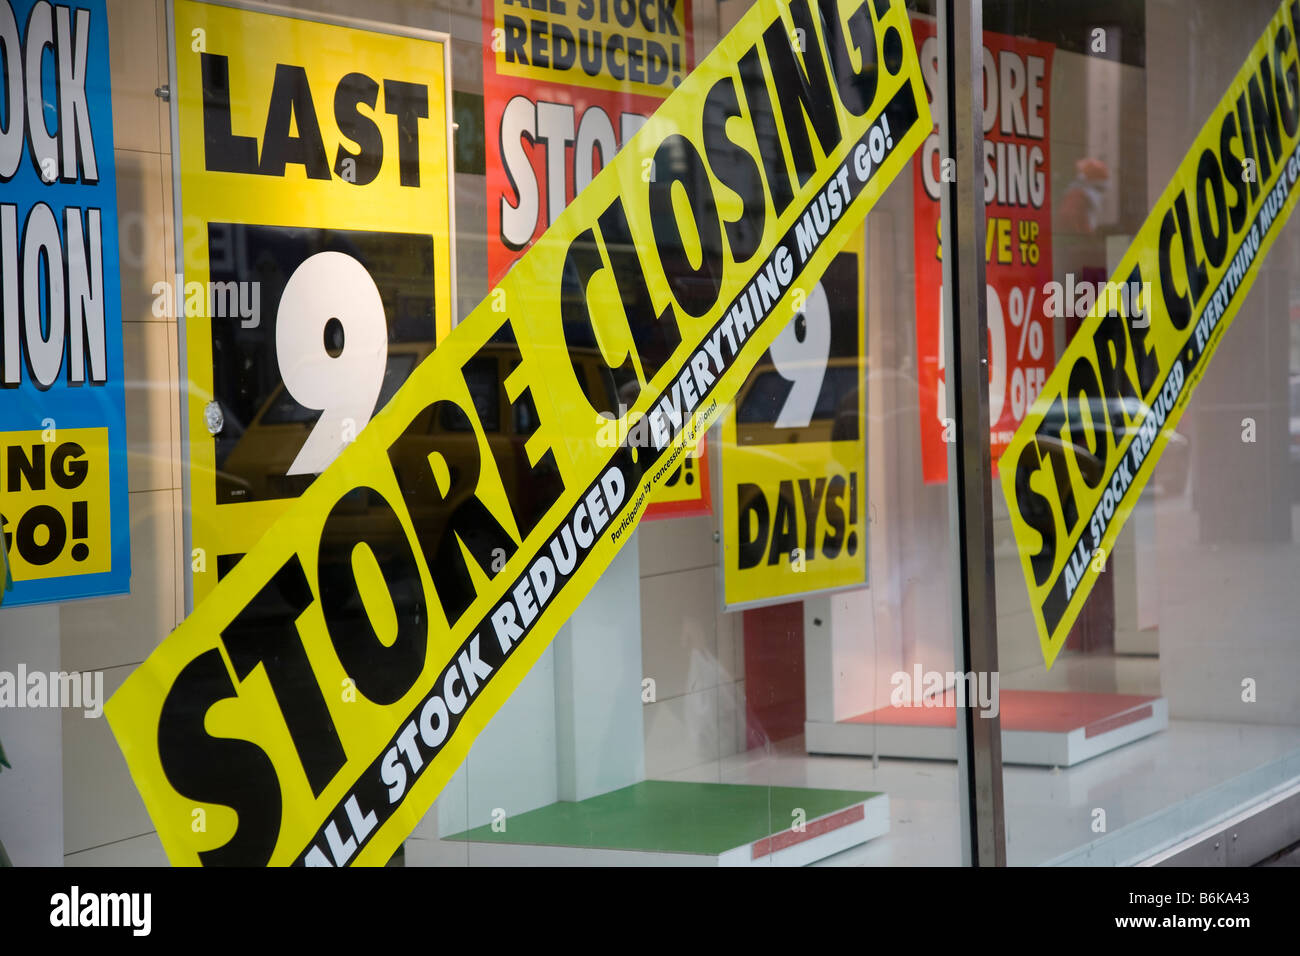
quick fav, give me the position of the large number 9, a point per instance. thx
(331, 341)
(799, 355)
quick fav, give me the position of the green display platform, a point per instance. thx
(659, 821)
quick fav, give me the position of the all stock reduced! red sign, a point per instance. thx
(565, 85)
(1018, 241)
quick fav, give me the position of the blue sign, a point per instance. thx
(63, 474)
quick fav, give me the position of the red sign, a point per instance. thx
(563, 89)
(565, 85)
(1018, 241)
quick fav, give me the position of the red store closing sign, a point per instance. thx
(1018, 241)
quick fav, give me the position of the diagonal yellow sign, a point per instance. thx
(313, 706)
(1083, 454)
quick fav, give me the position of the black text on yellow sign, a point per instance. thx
(641, 47)
(1081, 457)
(54, 502)
(794, 452)
(316, 240)
(310, 711)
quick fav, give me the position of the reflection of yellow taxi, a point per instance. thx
(449, 430)
(1126, 416)
(835, 416)
(278, 431)
(267, 446)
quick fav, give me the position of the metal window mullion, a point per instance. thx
(970, 502)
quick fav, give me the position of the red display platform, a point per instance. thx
(1039, 727)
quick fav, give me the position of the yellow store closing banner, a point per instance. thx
(312, 708)
(316, 220)
(1081, 457)
(794, 452)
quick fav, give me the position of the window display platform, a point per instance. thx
(673, 823)
(1039, 728)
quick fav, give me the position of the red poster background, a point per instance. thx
(499, 90)
(1018, 246)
